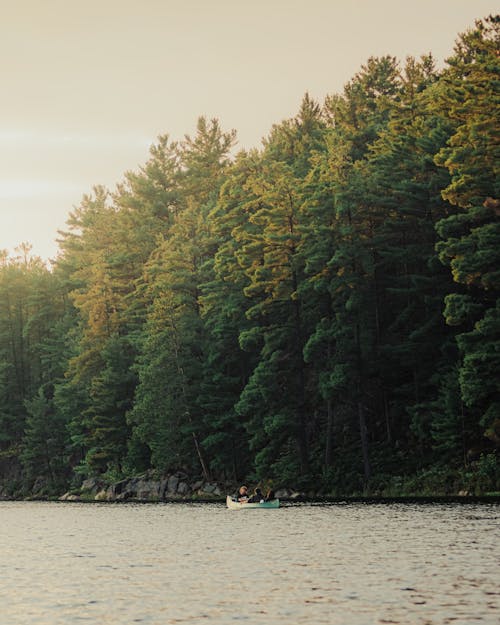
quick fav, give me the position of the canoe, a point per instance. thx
(236, 505)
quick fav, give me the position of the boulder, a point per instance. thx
(172, 484)
(91, 485)
(130, 491)
(124, 496)
(69, 497)
(207, 488)
(148, 489)
(182, 488)
(282, 493)
(118, 488)
(163, 488)
(102, 495)
(111, 493)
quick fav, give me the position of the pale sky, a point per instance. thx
(87, 85)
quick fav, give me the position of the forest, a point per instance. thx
(322, 311)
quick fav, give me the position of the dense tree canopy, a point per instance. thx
(322, 312)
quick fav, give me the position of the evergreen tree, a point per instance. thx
(471, 238)
(275, 403)
(167, 415)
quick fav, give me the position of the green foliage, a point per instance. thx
(486, 475)
(45, 448)
(322, 312)
(471, 239)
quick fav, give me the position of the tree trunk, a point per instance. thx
(180, 369)
(361, 411)
(364, 442)
(302, 433)
(204, 468)
(329, 433)
(387, 418)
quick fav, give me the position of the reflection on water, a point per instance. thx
(352, 564)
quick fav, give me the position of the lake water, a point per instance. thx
(66, 563)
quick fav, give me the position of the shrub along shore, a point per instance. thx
(179, 487)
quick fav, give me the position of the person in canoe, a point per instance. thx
(257, 497)
(270, 495)
(241, 495)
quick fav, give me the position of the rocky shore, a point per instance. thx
(174, 487)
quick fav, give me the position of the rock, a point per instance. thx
(163, 488)
(282, 493)
(173, 482)
(208, 489)
(141, 488)
(118, 488)
(102, 495)
(197, 485)
(90, 485)
(182, 488)
(68, 497)
(297, 495)
(130, 490)
(464, 493)
(148, 489)
(123, 496)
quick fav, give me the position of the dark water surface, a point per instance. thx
(66, 563)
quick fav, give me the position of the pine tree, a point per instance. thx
(274, 403)
(167, 415)
(471, 239)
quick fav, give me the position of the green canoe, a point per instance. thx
(236, 505)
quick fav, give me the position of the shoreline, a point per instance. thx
(410, 499)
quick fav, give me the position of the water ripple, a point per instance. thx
(62, 564)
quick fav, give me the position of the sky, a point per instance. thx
(88, 85)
